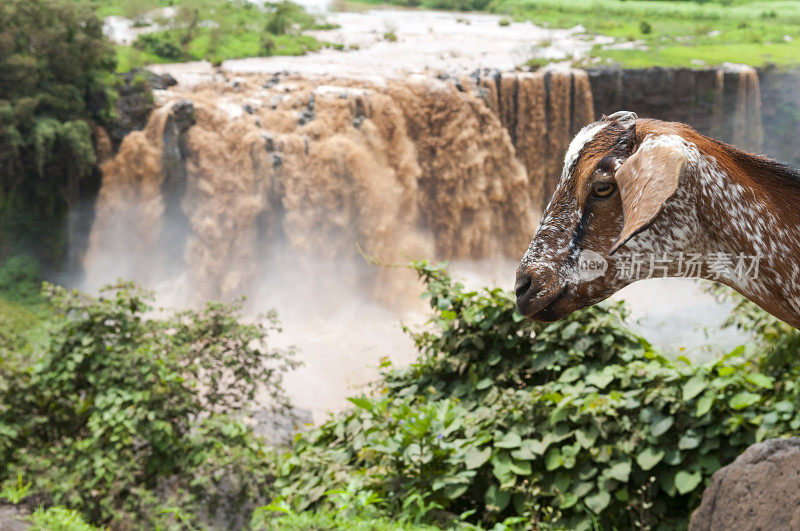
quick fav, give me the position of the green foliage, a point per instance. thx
(53, 518)
(283, 15)
(574, 424)
(15, 492)
(750, 31)
(454, 5)
(350, 508)
(128, 418)
(165, 44)
(20, 279)
(59, 519)
(777, 340)
(216, 30)
(53, 57)
(21, 308)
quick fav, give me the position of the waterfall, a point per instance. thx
(229, 173)
(302, 173)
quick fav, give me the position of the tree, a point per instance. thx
(128, 415)
(53, 60)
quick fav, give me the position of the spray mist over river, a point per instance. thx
(276, 186)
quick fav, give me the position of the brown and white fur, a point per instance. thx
(672, 190)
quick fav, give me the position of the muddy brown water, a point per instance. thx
(248, 180)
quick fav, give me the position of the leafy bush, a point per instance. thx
(166, 44)
(20, 279)
(352, 509)
(282, 16)
(128, 418)
(574, 424)
(21, 308)
(217, 30)
(60, 519)
(54, 58)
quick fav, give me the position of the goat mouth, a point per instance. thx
(550, 313)
(542, 308)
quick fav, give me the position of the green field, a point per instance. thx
(674, 33)
(666, 33)
(212, 30)
(660, 33)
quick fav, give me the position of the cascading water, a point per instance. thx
(271, 186)
(409, 169)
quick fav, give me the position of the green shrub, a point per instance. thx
(59, 519)
(351, 509)
(282, 16)
(20, 279)
(218, 30)
(779, 342)
(54, 57)
(132, 419)
(574, 424)
(645, 28)
(166, 44)
(267, 44)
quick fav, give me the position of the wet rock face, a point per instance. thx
(724, 103)
(780, 111)
(759, 490)
(135, 101)
(404, 169)
(758, 111)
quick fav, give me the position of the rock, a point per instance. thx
(135, 102)
(161, 81)
(760, 490)
(280, 428)
(307, 114)
(269, 141)
(183, 115)
(12, 518)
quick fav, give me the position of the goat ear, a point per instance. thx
(646, 181)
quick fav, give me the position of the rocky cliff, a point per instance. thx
(225, 174)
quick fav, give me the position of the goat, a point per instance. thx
(664, 193)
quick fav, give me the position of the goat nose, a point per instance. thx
(523, 285)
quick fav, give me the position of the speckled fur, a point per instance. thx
(727, 203)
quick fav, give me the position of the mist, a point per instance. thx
(284, 189)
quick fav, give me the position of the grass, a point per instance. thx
(22, 328)
(213, 30)
(750, 32)
(15, 318)
(23, 312)
(672, 33)
(665, 33)
(233, 47)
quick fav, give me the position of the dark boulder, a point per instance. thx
(760, 490)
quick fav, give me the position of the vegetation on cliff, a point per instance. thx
(212, 30)
(576, 424)
(54, 61)
(678, 32)
(660, 33)
(132, 419)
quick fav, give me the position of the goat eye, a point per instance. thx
(602, 190)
